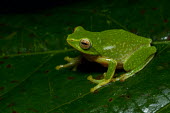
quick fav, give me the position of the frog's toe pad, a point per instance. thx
(92, 90)
(58, 67)
(67, 58)
(90, 78)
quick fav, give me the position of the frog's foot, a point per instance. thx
(99, 83)
(94, 80)
(71, 62)
(102, 83)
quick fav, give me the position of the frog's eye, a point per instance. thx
(85, 44)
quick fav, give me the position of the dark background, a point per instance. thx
(26, 6)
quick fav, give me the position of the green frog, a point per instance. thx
(114, 49)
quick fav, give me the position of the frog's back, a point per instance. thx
(120, 44)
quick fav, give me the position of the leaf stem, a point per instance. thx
(36, 53)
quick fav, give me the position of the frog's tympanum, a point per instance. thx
(115, 49)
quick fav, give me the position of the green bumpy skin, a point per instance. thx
(115, 49)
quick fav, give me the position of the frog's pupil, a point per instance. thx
(84, 43)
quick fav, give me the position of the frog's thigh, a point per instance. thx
(138, 61)
(139, 57)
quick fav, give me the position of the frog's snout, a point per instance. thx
(70, 39)
(71, 42)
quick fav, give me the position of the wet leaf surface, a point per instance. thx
(32, 44)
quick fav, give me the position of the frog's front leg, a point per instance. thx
(107, 76)
(72, 62)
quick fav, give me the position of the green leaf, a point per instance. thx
(32, 44)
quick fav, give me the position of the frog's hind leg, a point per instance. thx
(137, 62)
